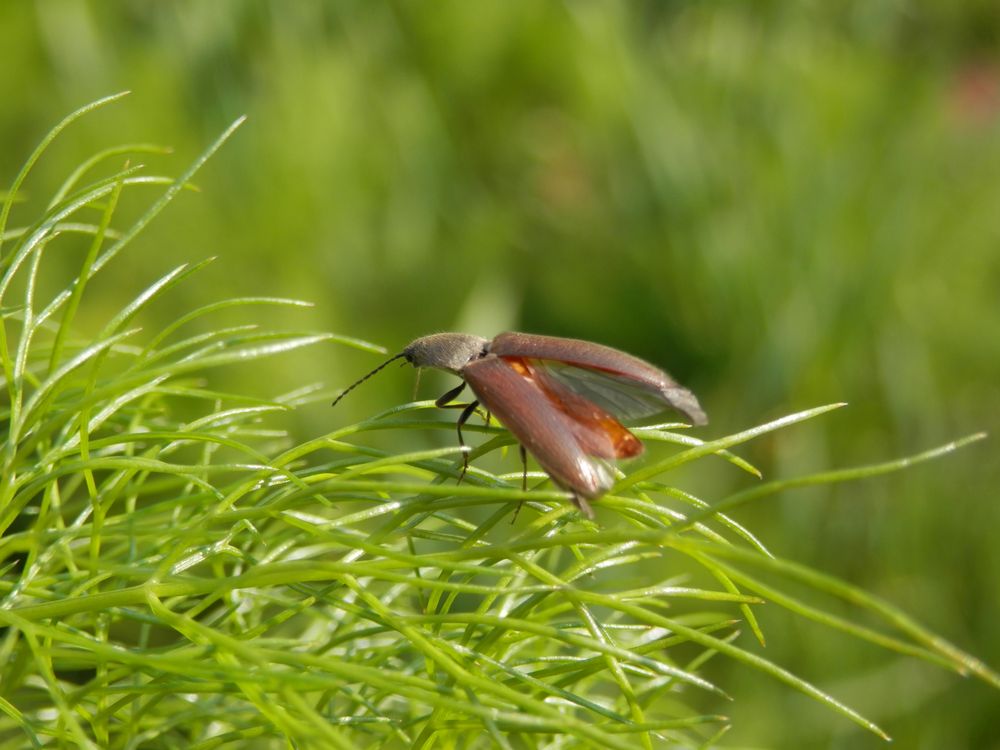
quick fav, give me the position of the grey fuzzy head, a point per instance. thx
(446, 351)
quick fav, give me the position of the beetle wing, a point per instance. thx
(599, 432)
(617, 394)
(568, 444)
(621, 368)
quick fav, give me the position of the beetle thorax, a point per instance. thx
(446, 351)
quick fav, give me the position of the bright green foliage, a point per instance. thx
(178, 574)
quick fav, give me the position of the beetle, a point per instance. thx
(562, 399)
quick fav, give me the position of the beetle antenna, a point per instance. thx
(356, 383)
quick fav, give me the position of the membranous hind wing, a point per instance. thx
(626, 386)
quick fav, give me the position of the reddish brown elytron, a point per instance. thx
(562, 399)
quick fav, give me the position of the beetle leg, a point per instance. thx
(524, 479)
(444, 402)
(462, 419)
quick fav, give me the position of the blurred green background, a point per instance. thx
(783, 204)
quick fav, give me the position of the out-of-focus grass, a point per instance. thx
(782, 205)
(203, 581)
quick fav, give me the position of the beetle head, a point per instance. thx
(446, 351)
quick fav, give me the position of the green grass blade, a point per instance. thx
(40, 149)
